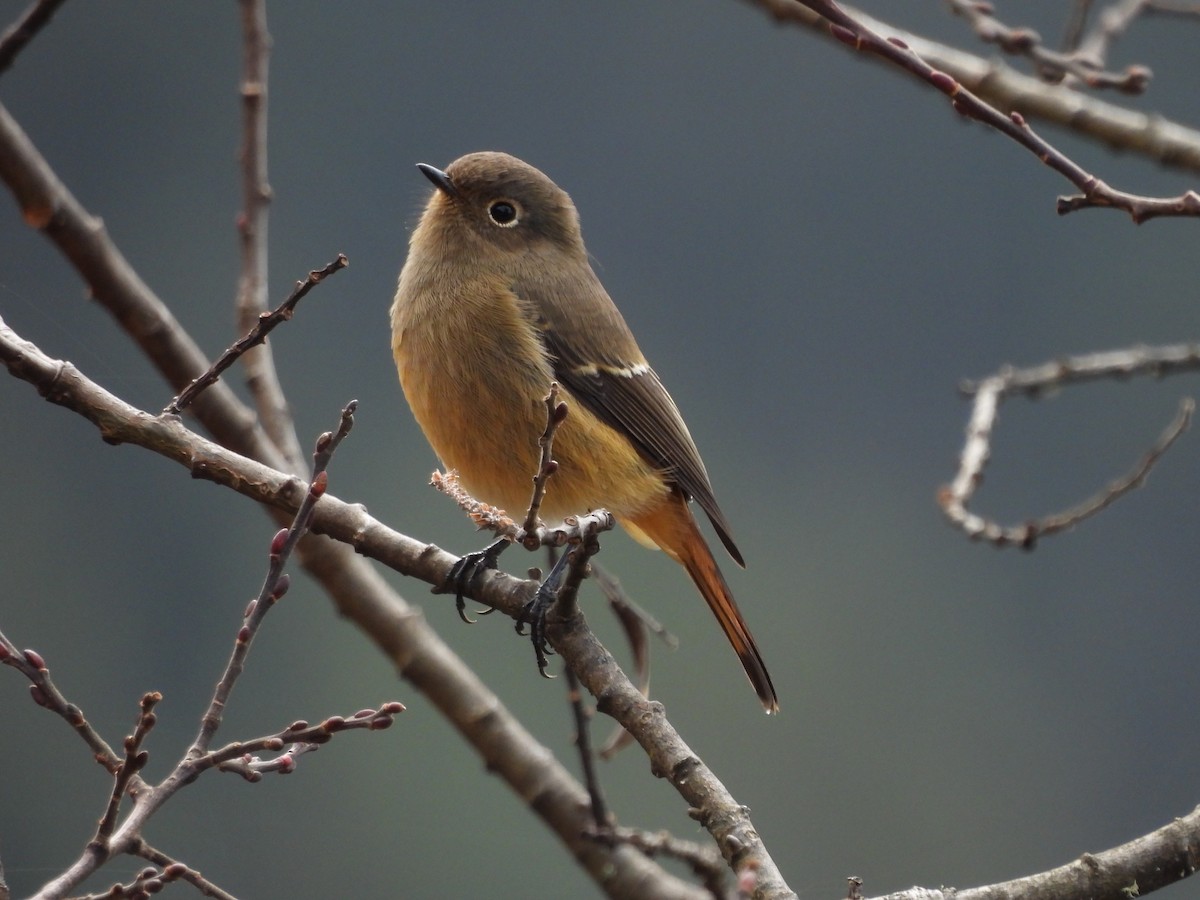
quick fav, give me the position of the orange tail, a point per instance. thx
(672, 527)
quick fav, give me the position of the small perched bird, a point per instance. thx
(496, 300)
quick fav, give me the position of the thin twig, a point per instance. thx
(1076, 23)
(45, 693)
(113, 837)
(1154, 362)
(25, 29)
(1110, 24)
(635, 622)
(703, 860)
(587, 759)
(262, 379)
(1095, 193)
(133, 763)
(556, 414)
(275, 584)
(591, 526)
(173, 869)
(238, 757)
(1170, 8)
(146, 883)
(1084, 62)
(263, 326)
(991, 392)
(1152, 136)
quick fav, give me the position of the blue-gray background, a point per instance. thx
(813, 251)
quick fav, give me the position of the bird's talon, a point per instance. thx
(534, 613)
(464, 572)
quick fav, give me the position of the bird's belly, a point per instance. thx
(486, 427)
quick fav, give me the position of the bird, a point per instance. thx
(496, 300)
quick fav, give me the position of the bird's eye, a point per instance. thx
(503, 213)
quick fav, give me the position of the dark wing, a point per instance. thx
(595, 357)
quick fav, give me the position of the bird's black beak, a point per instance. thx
(440, 180)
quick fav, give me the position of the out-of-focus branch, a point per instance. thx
(1112, 22)
(252, 292)
(21, 32)
(1152, 136)
(1085, 62)
(47, 205)
(1076, 21)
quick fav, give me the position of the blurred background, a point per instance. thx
(813, 250)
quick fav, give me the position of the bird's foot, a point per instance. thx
(534, 612)
(464, 572)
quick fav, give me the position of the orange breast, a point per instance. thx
(475, 374)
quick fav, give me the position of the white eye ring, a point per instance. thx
(504, 213)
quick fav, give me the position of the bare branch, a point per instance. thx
(587, 758)
(1154, 362)
(704, 861)
(275, 584)
(1174, 8)
(239, 756)
(47, 205)
(709, 801)
(147, 882)
(172, 868)
(25, 29)
(1111, 23)
(991, 392)
(556, 414)
(114, 837)
(252, 293)
(264, 324)
(1076, 22)
(854, 31)
(1086, 62)
(1145, 864)
(45, 693)
(133, 763)
(1152, 136)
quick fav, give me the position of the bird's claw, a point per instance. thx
(464, 572)
(534, 612)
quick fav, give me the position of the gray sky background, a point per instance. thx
(813, 251)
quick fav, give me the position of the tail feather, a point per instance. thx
(672, 527)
